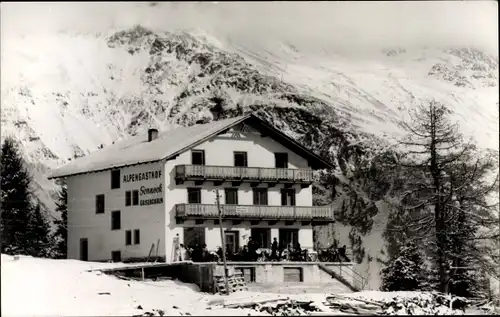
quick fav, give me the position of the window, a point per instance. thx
(128, 198)
(115, 179)
(240, 159)
(288, 197)
(260, 196)
(262, 236)
(137, 236)
(281, 160)
(232, 241)
(116, 256)
(99, 204)
(231, 196)
(135, 197)
(198, 157)
(116, 220)
(194, 195)
(128, 237)
(194, 236)
(293, 274)
(288, 237)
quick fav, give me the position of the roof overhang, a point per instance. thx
(315, 160)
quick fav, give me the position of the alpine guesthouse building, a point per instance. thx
(146, 192)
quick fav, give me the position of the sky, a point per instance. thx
(344, 23)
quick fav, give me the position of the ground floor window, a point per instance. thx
(262, 236)
(293, 274)
(116, 256)
(288, 237)
(194, 236)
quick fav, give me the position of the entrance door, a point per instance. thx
(261, 236)
(84, 249)
(288, 236)
(232, 241)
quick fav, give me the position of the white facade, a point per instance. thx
(85, 223)
(157, 221)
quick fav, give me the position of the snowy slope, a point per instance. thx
(65, 95)
(375, 92)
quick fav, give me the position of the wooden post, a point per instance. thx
(226, 278)
(157, 245)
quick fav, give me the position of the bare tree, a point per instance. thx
(432, 147)
(472, 216)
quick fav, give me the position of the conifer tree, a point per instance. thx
(406, 271)
(40, 242)
(449, 198)
(61, 233)
(469, 212)
(24, 227)
(434, 145)
(16, 200)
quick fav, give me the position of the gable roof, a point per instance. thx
(169, 144)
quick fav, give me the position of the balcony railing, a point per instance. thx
(255, 212)
(236, 173)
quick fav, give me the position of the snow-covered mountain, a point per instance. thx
(66, 95)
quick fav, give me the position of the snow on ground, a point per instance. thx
(46, 287)
(43, 287)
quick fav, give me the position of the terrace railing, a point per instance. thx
(237, 173)
(304, 213)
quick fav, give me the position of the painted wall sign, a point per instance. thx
(144, 191)
(141, 176)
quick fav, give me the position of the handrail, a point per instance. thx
(338, 277)
(361, 279)
(256, 173)
(258, 211)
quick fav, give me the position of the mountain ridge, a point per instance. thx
(79, 93)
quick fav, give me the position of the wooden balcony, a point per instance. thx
(235, 174)
(255, 212)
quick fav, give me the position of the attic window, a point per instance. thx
(281, 160)
(240, 159)
(198, 157)
(115, 179)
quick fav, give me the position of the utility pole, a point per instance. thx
(226, 277)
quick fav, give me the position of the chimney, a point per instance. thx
(152, 134)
